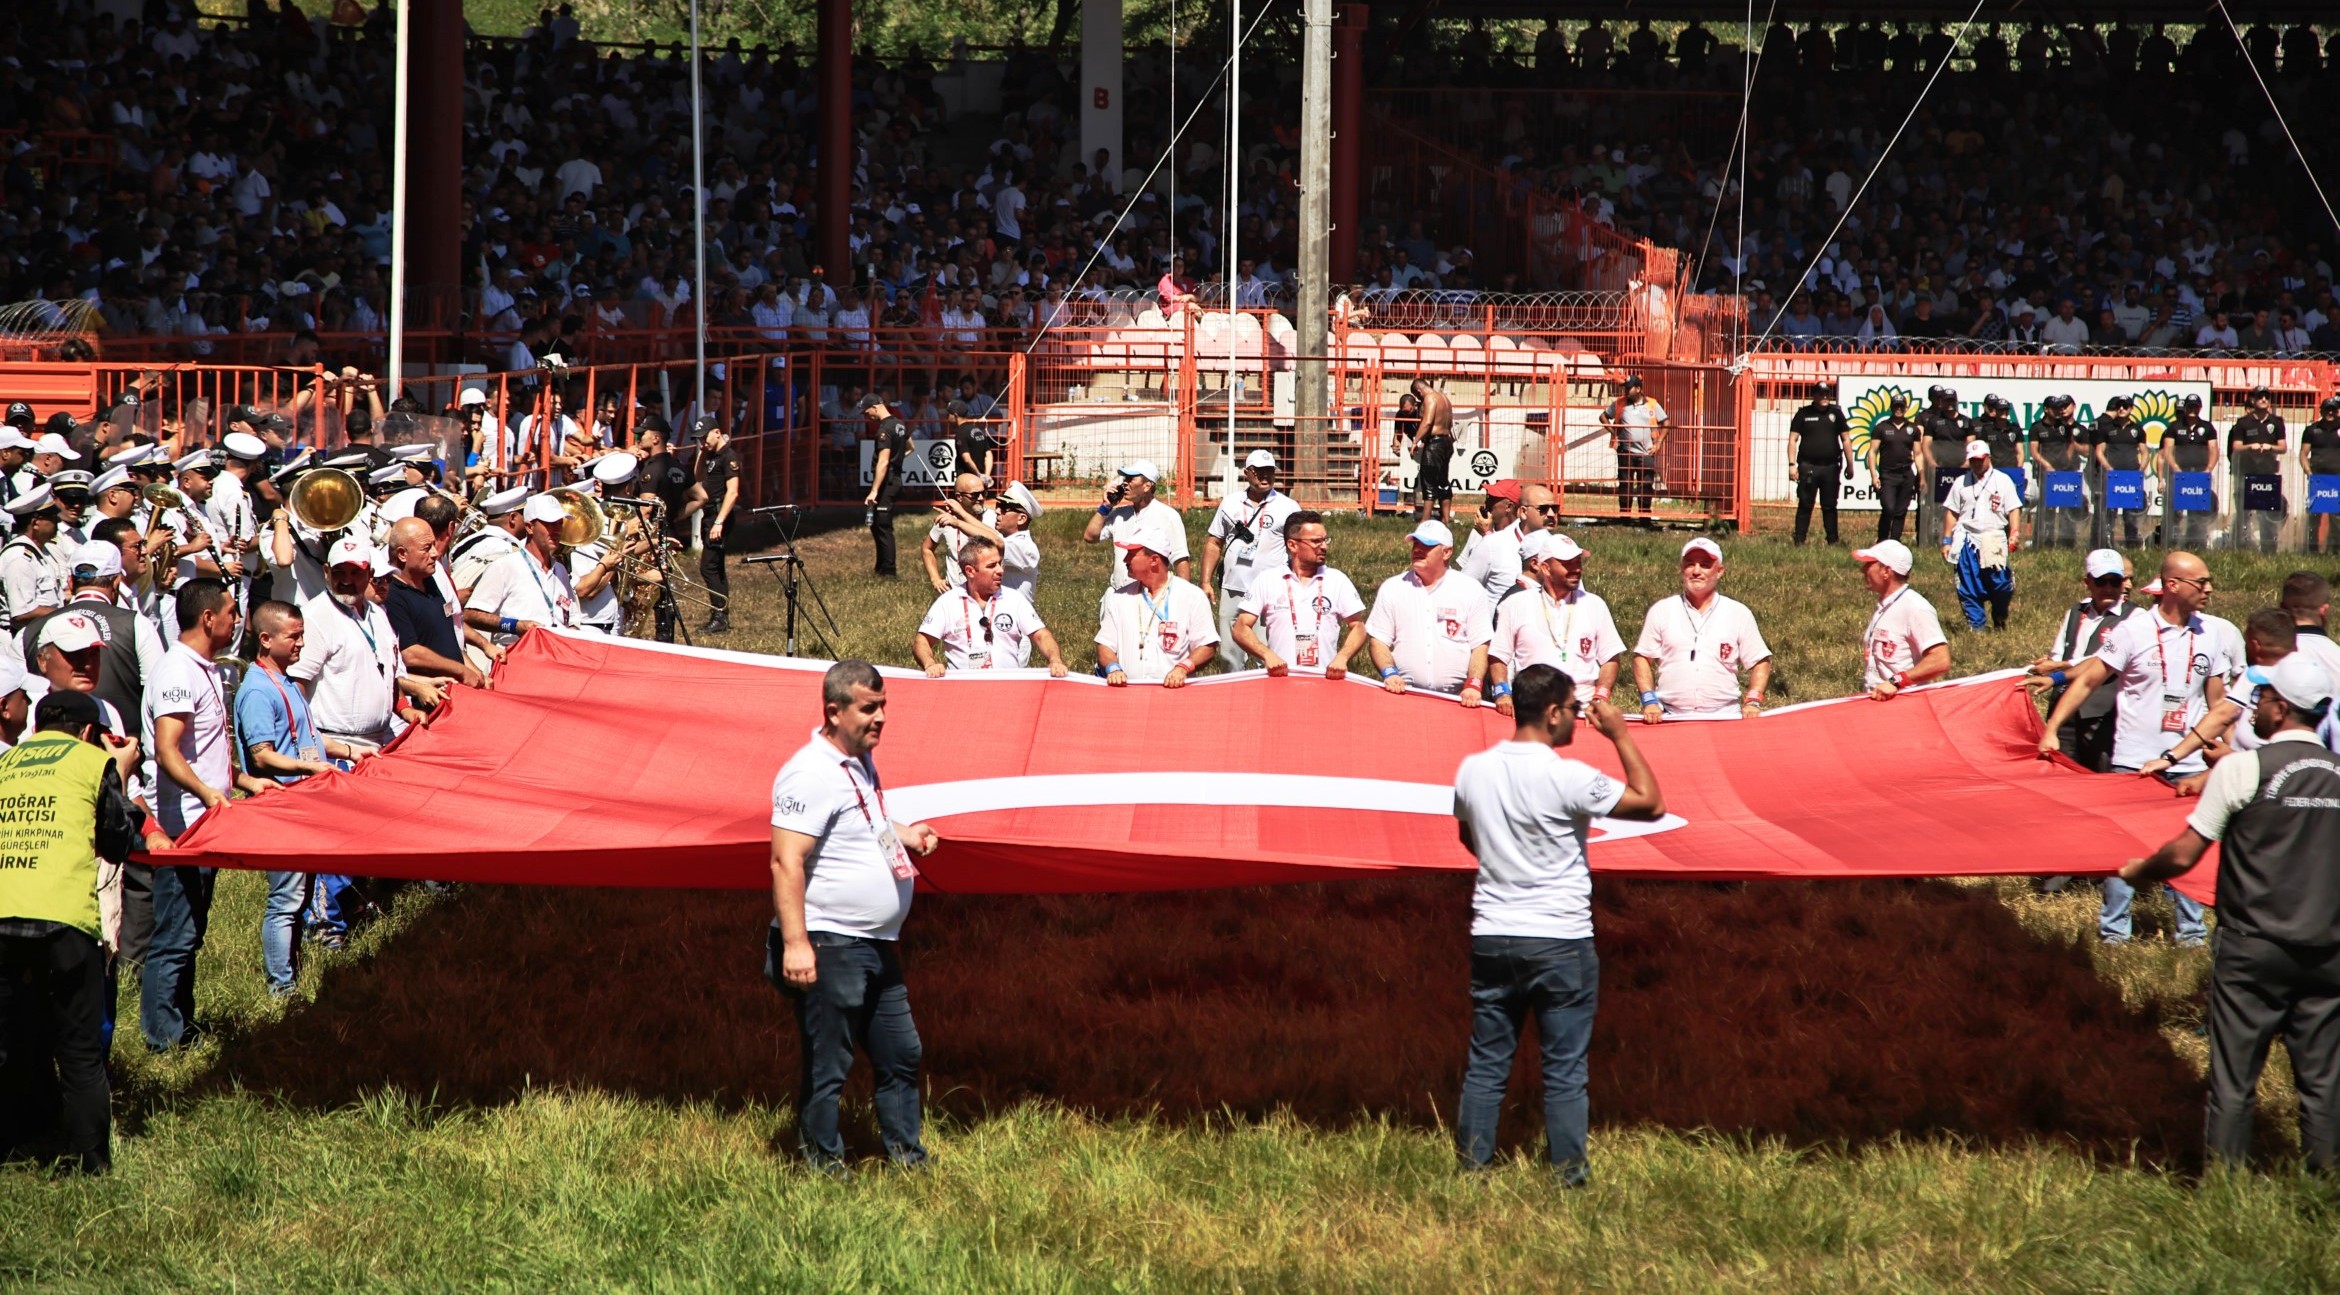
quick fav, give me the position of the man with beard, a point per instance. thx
(1555, 621)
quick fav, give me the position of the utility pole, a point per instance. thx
(1310, 404)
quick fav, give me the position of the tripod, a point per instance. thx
(795, 582)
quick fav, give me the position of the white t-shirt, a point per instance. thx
(1300, 620)
(2163, 670)
(1699, 655)
(1902, 629)
(601, 610)
(1019, 562)
(350, 662)
(850, 884)
(957, 620)
(1149, 633)
(952, 540)
(1493, 560)
(1982, 505)
(1575, 635)
(476, 553)
(1431, 632)
(515, 586)
(190, 686)
(2234, 783)
(1241, 560)
(1528, 810)
(1125, 522)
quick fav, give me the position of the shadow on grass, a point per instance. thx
(1824, 1014)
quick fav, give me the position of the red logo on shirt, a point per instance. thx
(1452, 626)
(1584, 647)
(1169, 637)
(1725, 654)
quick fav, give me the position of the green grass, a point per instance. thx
(232, 1175)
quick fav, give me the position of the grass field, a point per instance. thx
(1910, 1086)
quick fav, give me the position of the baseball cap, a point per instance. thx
(71, 631)
(1977, 450)
(1507, 488)
(1539, 546)
(13, 438)
(350, 550)
(1259, 459)
(1141, 468)
(1149, 538)
(2105, 562)
(1893, 555)
(1019, 496)
(51, 443)
(97, 560)
(382, 564)
(1703, 545)
(65, 708)
(19, 414)
(471, 396)
(2297, 678)
(1431, 532)
(544, 508)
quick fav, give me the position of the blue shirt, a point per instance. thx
(271, 708)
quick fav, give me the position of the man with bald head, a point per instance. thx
(427, 620)
(969, 502)
(2173, 666)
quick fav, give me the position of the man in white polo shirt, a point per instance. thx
(1130, 507)
(1430, 624)
(1557, 622)
(1306, 617)
(980, 624)
(1525, 811)
(1155, 627)
(349, 664)
(1699, 641)
(1245, 544)
(842, 878)
(529, 587)
(965, 512)
(2173, 665)
(1904, 643)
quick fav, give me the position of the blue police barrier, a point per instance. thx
(2124, 492)
(2192, 492)
(2063, 490)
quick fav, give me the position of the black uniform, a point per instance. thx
(1947, 432)
(2006, 442)
(2256, 445)
(1896, 440)
(2058, 441)
(2123, 443)
(892, 435)
(2189, 440)
(1819, 431)
(716, 471)
(2276, 968)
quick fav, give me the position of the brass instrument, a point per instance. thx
(586, 520)
(646, 571)
(165, 497)
(325, 499)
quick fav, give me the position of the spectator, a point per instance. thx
(186, 718)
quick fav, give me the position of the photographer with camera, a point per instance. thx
(1130, 509)
(1247, 535)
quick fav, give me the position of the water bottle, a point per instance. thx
(868, 518)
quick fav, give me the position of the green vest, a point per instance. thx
(49, 789)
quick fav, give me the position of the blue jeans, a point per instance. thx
(2112, 924)
(857, 999)
(280, 928)
(1559, 981)
(166, 991)
(325, 904)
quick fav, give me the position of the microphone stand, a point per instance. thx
(788, 568)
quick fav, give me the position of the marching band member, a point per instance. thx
(530, 586)
(28, 567)
(501, 537)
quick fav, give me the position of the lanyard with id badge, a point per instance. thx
(1305, 651)
(2173, 702)
(897, 858)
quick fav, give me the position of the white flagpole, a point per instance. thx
(397, 374)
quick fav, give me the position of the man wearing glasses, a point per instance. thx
(2173, 665)
(961, 512)
(1306, 617)
(980, 624)
(2088, 737)
(1555, 621)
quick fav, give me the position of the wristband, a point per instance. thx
(1901, 678)
(1752, 699)
(1600, 694)
(1104, 510)
(1500, 690)
(1649, 697)
(507, 625)
(1388, 671)
(1473, 685)
(2058, 678)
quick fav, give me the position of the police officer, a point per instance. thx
(1996, 428)
(1820, 454)
(2120, 447)
(1892, 455)
(2255, 445)
(2319, 455)
(69, 819)
(1947, 431)
(2275, 812)
(2057, 445)
(2190, 444)
(893, 450)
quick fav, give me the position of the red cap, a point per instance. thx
(1507, 488)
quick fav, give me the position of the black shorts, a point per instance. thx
(1432, 481)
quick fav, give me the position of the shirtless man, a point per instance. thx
(1433, 487)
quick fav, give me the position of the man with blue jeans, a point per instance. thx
(1524, 811)
(280, 741)
(186, 716)
(841, 884)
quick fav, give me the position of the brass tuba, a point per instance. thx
(585, 523)
(326, 499)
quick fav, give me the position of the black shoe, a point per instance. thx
(717, 625)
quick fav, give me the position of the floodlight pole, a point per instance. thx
(1310, 401)
(698, 223)
(398, 146)
(1232, 221)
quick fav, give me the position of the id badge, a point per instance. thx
(1304, 650)
(904, 870)
(2173, 713)
(979, 660)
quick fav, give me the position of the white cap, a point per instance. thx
(108, 479)
(194, 461)
(351, 550)
(389, 474)
(243, 445)
(1978, 450)
(616, 469)
(28, 502)
(1893, 555)
(51, 443)
(71, 631)
(1703, 545)
(411, 451)
(1432, 532)
(1141, 468)
(1149, 538)
(1259, 459)
(2106, 562)
(128, 457)
(471, 396)
(502, 501)
(2298, 678)
(1551, 544)
(400, 506)
(1018, 495)
(11, 438)
(544, 508)
(103, 557)
(382, 564)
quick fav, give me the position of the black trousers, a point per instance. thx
(54, 1099)
(1895, 490)
(2088, 740)
(881, 536)
(715, 576)
(2260, 988)
(137, 913)
(1817, 481)
(1636, 481)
